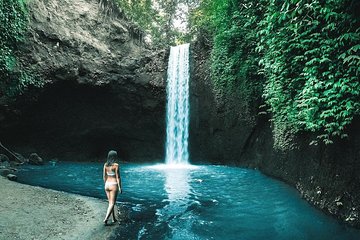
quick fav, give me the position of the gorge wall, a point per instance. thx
(224, 131)
(103, 88)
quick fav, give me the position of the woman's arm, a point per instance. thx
(118, 178)
(104, 175)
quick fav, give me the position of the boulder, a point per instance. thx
(34, 159)
(5, 164)
(53, 162)
(5, 171)
(12, 177)
(21, 158)
(16, 164)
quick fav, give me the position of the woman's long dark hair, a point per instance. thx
(111, 158)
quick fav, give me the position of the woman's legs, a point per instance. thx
(113, 211)
(107, 194)
(112, 193)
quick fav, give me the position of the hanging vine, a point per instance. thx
(306, 58)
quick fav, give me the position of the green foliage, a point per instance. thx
(155, 19)
(306, 57)
(13, 24)
(203, 17)
(311, 62)
(140, 12)
(234, 62)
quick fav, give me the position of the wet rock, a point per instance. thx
(21, 158)
(34, 159)
(53, 162)
(11, 177)
(16, 164)
(5, 171)
(339, 204)
(353, 216)
(338, 198)
(4, 158)
(5, 164)
(318, 190)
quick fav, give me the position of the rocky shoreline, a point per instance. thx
(11, 160)
(29, 212)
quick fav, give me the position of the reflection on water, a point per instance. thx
(177, 188)
(207, 202)
(177, 185)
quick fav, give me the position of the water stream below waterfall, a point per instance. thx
(202, 202)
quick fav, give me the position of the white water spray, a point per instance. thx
(177, 112)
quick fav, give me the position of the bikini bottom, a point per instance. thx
(108, 184)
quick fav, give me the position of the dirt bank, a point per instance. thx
(29, 212)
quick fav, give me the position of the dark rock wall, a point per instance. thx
(220, 125)
(225, 131)
(79, 122)
(326, 176)
(103, 88)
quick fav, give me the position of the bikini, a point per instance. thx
(110, 174)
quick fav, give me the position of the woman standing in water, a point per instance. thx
(112, 182)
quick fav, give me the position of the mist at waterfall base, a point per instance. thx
(203, 202)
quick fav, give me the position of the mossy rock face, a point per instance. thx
(220, 132)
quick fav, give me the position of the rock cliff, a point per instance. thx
(103, 88)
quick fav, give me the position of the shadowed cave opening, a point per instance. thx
(81, 122)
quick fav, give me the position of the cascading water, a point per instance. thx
(177, 113)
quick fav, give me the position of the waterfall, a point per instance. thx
(177, 111)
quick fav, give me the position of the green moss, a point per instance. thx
(311, 67)
(304, 53)
(13, 25)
